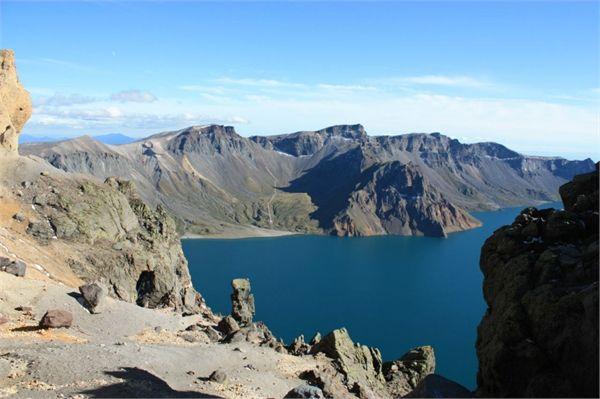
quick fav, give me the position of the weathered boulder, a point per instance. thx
(227, 325)
(358, 363)
(329, 380)
(15, 104)
(242, 301)
(539, 335)
(305, 391)
(403, 375)
(436, 386)
(56, 318)
(94, 295)
(14, 267)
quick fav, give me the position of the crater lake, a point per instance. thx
(390, 292)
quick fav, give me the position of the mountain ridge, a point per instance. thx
(212, 179)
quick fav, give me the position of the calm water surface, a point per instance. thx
(393, 293)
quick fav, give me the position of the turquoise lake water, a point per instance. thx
(391, 292)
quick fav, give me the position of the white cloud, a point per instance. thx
(136, 96)
(257, 82)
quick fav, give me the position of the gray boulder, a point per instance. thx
(56, 318)
(242, 301)
(14, 267)
(305, 391)
(94, 295)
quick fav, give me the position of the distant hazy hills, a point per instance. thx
(337, 180)
(114, 138)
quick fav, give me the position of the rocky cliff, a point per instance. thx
(84, 228)
(539, 336)
(15, 104)
(212, 180)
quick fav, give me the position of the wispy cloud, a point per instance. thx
(443, 80)
(135, 96)
(59, 100)
(257, 82)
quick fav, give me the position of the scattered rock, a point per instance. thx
(56, 318)
(305, 391)
(3, 319)
(19, 217)
(242, 301)
(218, 376)
(41, 230)
(94, 295)
(45, 173)
(24, 309)
(158, 329)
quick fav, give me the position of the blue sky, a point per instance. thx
(522, 74)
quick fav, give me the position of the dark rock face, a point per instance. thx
(14, 267)
(227, 325)
(56, 318)
(242, 301)
(436, 386)
(539, 336)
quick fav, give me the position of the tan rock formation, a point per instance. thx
(15, 104)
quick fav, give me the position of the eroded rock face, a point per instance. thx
(133, 248)
(539, 336)
(15, 104)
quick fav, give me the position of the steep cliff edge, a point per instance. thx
(539, 336)
(73, 227)
(15, 104)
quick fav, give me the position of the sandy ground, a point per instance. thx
(119, 353)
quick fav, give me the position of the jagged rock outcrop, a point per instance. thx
(136, 249)
(403, 375)
(15, 104)
(539, 336)
(214, 181)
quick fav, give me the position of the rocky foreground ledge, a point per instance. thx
(539, 336)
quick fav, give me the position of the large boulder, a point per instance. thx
(56, 318)
(242, 301)
(94, 295)
(539, 335)
(15, 104)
